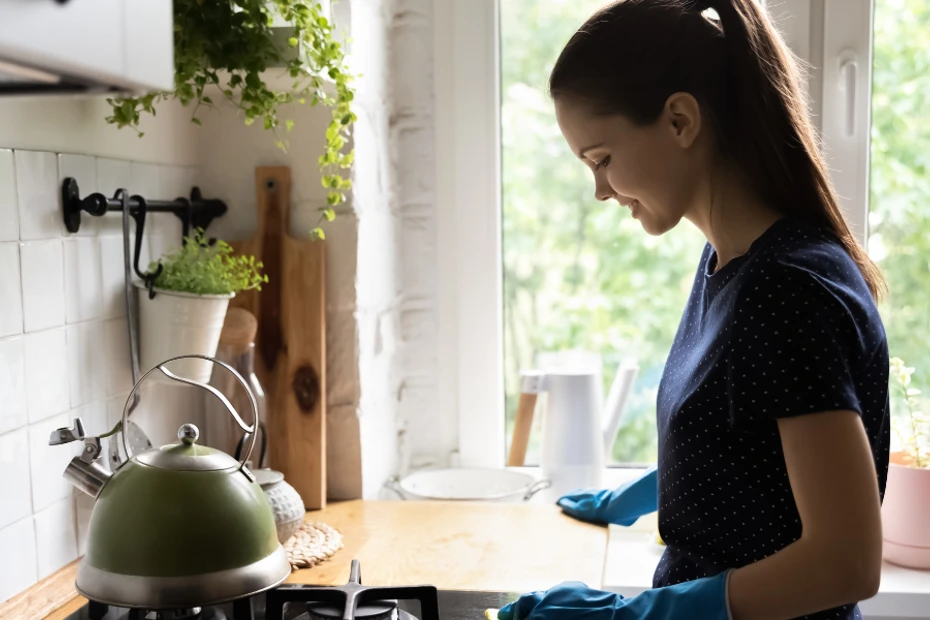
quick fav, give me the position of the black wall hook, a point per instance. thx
(196, 212)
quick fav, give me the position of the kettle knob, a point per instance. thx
(188, 434)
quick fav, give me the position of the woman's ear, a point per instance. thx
(683, 117)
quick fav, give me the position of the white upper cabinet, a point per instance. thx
(85, 45)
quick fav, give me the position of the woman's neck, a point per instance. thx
(730, 215)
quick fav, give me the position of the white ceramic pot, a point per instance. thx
(174, 323)
(468, 484)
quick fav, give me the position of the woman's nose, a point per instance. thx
(602, 189)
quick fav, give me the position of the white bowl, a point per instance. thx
(468, 484)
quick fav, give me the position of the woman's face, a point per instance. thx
(653, 170)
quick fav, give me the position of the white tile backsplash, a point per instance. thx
(56, 537)
(42, 269)
(64, 346)
(46, 358)
(82, 168)
(114, 174)
(12, 385)
(86, 364)
(18, 541)
(14, 478)
(9, 212)
(11, 290)
(83, 280)
(113, 279)
(47, 463)
(116, 354)
(37, 194)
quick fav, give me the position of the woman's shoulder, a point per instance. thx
(804, 264)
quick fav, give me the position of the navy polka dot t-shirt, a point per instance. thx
(787, 329)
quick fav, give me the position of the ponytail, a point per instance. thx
(743, 75)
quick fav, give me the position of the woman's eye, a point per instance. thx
(603, 163)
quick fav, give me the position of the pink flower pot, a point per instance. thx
(906, 516)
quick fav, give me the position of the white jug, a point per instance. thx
(578, 431)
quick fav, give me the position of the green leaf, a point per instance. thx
(319, 233)
(207, 100)
(293, 41)
(196, 121)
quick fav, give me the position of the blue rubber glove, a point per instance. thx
(703, 598)
(621, 506)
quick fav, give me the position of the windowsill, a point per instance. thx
(632, 555)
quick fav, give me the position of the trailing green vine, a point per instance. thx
(228, 44)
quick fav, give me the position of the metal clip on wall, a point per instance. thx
(195, 212)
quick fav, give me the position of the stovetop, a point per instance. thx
(295, 602)
(453, 605)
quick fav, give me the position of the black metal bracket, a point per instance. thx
(194, 212)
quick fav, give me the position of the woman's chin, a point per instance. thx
(654, 226)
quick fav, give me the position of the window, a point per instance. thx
(577, 273)
(899, 197)
(534, 263)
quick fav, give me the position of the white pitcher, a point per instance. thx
(578, 431)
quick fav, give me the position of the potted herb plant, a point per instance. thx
(240, 51)
(184, 311)
(906, 507)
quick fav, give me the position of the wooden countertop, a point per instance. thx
(452, 545)
(466, 546)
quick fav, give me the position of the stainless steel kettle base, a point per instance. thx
(188, 591)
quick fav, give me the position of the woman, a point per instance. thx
(773, 408)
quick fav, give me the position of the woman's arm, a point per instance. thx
(837, 560)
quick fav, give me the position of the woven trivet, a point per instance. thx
(311, 544)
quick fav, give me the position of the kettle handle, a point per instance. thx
(249, 430)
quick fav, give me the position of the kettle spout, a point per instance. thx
(88, 477)
(616, 402)
(84, 472)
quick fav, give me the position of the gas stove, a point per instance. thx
(352, 601)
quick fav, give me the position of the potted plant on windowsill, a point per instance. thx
(183, 310)
(906, 507)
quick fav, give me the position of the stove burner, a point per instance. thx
(377, 610)
(352, 600)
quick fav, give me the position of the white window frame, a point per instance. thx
(826, 34)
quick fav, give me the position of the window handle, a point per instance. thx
(848, 76)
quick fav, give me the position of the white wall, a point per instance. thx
(63, 331)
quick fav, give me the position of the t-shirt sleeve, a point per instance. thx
(792, 342)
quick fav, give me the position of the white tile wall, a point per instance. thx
(11, 291)
(18, 541)
(14, 478)
(56, 536)
(64, 349)
(37, 192)
(9, 215)
(86, 369)
(43, 284)
(46, 356)
(12, 385)
(83, 280)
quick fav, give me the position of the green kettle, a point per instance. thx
(180, 526)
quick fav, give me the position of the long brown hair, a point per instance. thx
(631, 55)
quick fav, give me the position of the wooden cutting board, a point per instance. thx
(459, 545)
(290, 348)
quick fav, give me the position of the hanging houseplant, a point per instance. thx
(184, 312)
(224, 48)
(906, 507)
